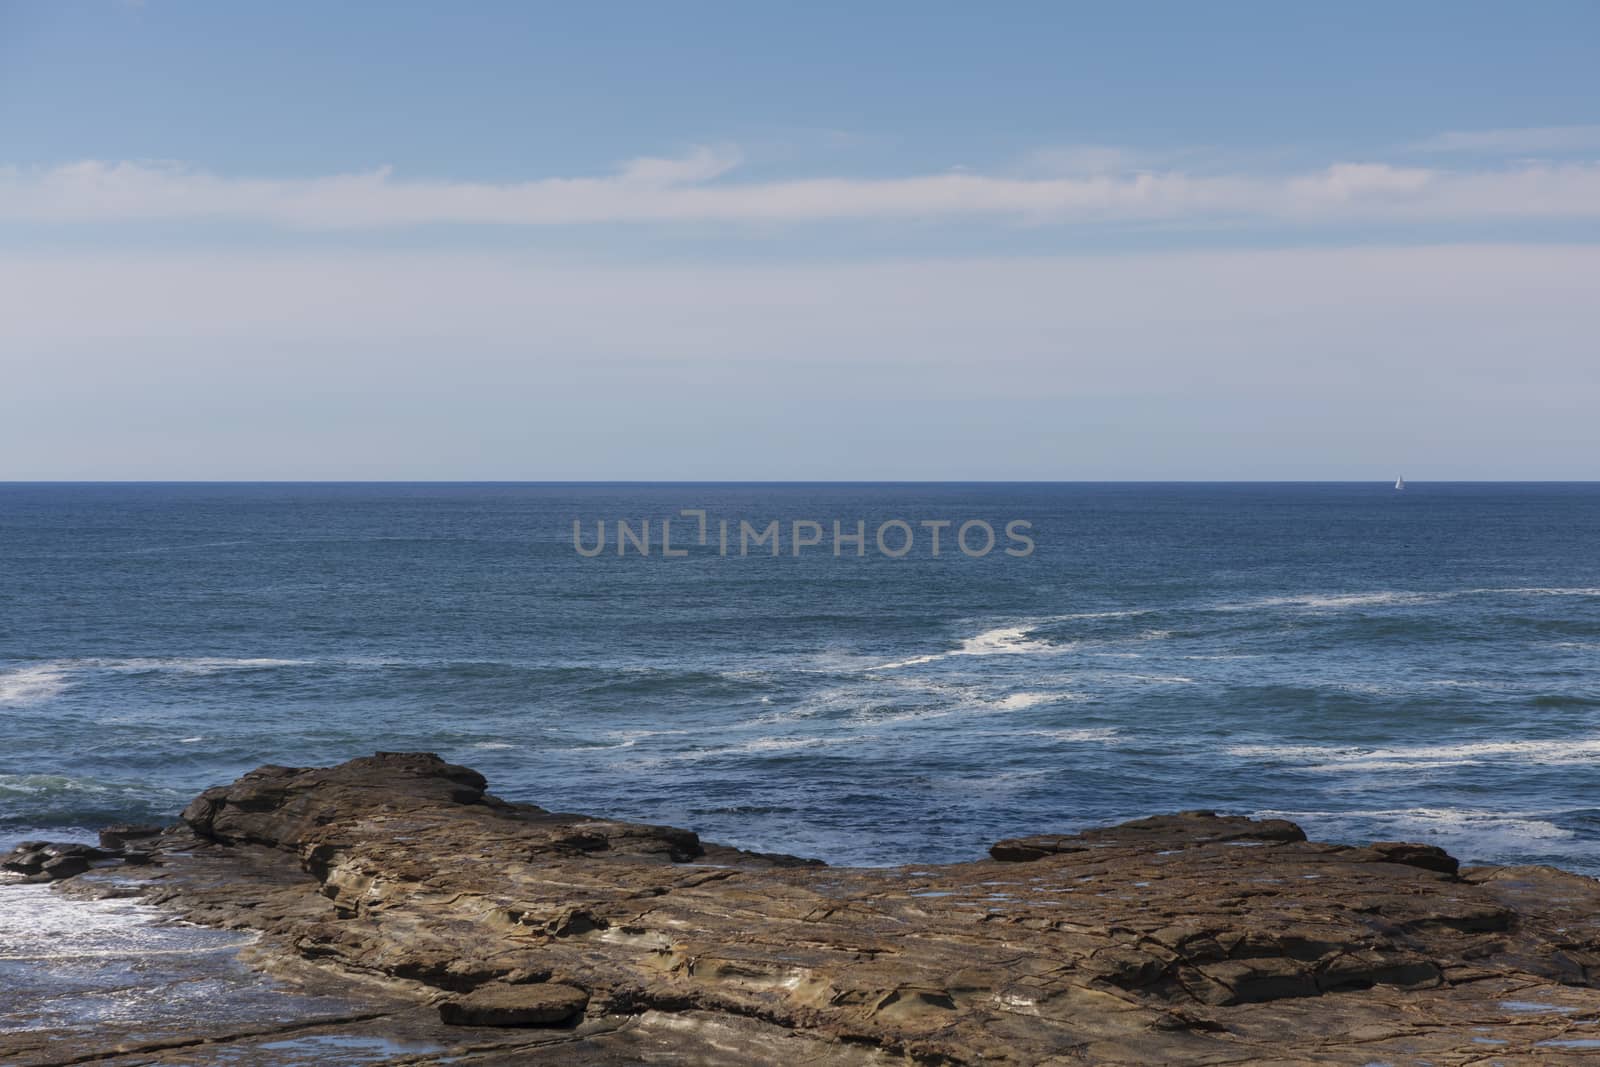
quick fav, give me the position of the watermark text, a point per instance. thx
(694, 531)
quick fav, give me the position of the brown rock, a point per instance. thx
(48, 861)
(540, 1004)
(117, 836)
(26, 858)
(1427, 857)
(1189, 938)
(64, 866)
(1184, 830)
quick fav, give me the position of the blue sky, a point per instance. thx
(819, 241)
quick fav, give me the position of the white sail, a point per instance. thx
(1400, 482)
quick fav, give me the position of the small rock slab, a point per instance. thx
(1427, 857)
(539, 1004)
(1183, 830)
(117, 836)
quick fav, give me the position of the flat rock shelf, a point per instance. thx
(394, 912)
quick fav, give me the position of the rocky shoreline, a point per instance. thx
(417, 918)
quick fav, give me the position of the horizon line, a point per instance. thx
(790, 481)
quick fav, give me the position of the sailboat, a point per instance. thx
(1400, 482)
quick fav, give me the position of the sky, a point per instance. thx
(699, 241)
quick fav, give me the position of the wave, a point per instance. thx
(1338, 758)
(629, 738)
(39, 682)
(1336, 601)
(31, 685)
(1000, 641)
(1394, 597)
(190, 664)
(1086, 735)
(773, 744)
(61, 783)
(1474, 825)
(1019, 701)
(1153, 679)
(755, 747)
(1021, 637)
(1543, 590)
(38, 924)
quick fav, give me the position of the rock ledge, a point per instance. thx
(1189, 938)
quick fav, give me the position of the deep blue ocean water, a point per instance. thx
(1371, 663)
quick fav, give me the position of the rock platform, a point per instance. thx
(469, 929)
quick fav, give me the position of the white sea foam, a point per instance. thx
(1000, 641)
(1391, 597)
(61, 785)
(1486, 830)
(892, 698)
(37, 923)
(1018, 701)
(1017, 638)
(951, 697)
(776, 744)
(1087, 735)
(1003, 640)
(912, 662)
(1543, 591)
(1121, 678)
(493, 745)
(1337, 758)
(113, 965)
(37, 683)
(629, 737)
(1336, 601)
(1388, 765)
(186, 664)
(755, 746)
(31, 685)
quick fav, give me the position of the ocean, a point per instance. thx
(1371, 663)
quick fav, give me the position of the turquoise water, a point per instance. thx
(1370, 663)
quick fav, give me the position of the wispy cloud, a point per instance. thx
(702, 187)
(701, 165)
(1527, 140)
(1082, 159)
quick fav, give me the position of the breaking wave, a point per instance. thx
(1000, 641)
(31, 685)
(39, 682)
(1578, 750)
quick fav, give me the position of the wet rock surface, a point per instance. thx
(465, 928)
